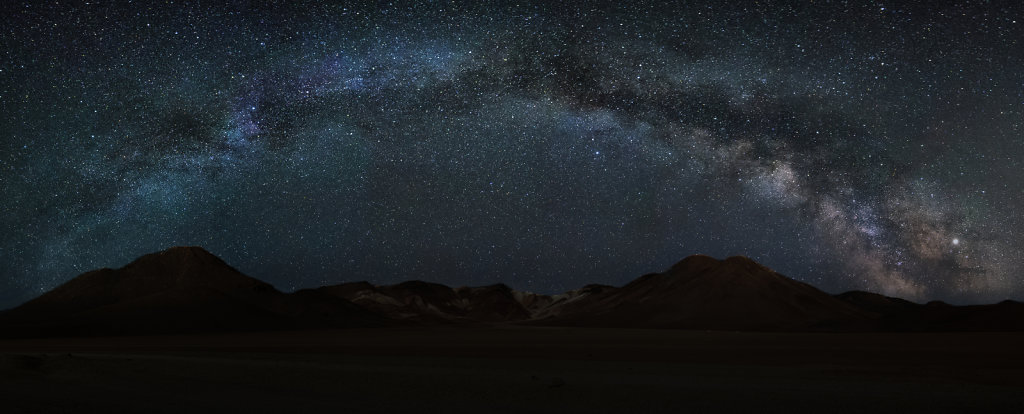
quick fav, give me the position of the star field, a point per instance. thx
(850, 145)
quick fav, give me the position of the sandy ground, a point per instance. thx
(515, 369)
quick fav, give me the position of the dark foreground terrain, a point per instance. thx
(182, 331)
(516, 369)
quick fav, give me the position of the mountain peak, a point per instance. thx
(741, 260)
(182, 250)
(695, 263)
(701, 292)
(175, 269)
(734, 264)
(746, 265)
(180, 289)
(179, 255)
(183, 265)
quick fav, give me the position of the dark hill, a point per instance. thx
(875, 303)
(894, 314)
(182, 289)
(702, 292)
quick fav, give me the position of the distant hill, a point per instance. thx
(179, 290)
(894, 314)
(434, 303)
(187, 289)
(702, 292)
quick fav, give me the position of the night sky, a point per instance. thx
(850, 145)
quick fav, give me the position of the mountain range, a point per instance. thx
(188, 290)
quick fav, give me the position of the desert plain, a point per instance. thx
(509, 368)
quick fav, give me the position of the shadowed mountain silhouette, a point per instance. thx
(875, 303)
(187, 289)
(181, 289)
(701, 292)
(894, 314)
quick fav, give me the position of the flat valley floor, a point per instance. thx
(512, 369)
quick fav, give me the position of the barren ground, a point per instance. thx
(516, 369)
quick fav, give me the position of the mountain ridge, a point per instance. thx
(188, 289)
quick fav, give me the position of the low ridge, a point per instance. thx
(427, 302)
(188, 289)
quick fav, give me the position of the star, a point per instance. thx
(520, 145)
